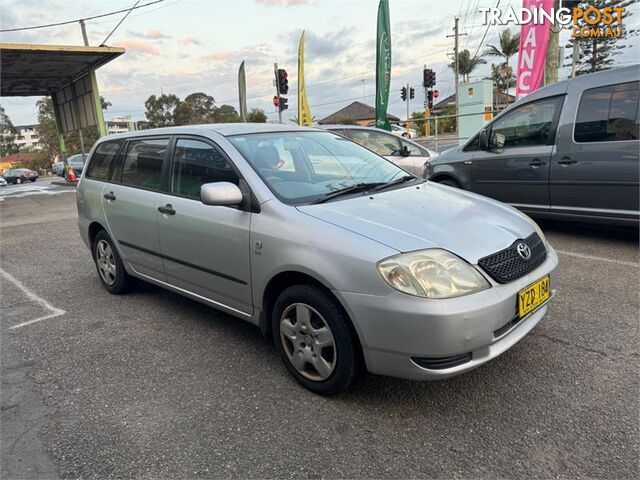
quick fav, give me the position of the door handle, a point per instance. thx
(567, 161)
(167, 209)
(109, 196)
(536, 162)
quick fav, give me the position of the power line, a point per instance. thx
(48, 25)
(485, 34)
(120, 22)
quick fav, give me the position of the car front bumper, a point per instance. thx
(398, 332)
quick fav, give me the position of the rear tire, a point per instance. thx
(111, 271)
(315, 339)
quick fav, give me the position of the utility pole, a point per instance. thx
(575, 57)
(426, 108)
(456, 35)
(552, 62)
(275, 72)
(408, 98)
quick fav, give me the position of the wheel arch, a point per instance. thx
(281, 281)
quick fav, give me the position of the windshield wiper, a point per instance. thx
(358, 187)
(402, 179)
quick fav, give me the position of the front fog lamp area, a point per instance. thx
(432, 273)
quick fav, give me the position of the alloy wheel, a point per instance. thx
(106, 262)
(308, 341)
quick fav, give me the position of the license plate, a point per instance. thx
(531, 297)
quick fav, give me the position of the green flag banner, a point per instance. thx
(242, 93)
(383, 65)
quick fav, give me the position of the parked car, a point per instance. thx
(401, 151)
(336, 253)
(58, 168)
(569, 150)
(404, 132)
(20, 175)
(75, 162)
(3, 182)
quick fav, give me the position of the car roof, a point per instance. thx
(225, 129)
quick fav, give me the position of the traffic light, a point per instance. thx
(283, 83)
(403, 93)
(412, 93)
(430, 99)
(283, 104)
(429, 78)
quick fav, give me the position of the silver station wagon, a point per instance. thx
(341, 257)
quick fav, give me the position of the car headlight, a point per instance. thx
(432, 273)
(427, 169)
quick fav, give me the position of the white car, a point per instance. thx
(3, 182)
(404, 132)
(405, 153)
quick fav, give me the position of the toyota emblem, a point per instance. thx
(523, 250)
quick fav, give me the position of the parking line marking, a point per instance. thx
(601, 259)
(55, 312)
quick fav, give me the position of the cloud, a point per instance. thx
(189, 40)
(151, 34)
(139, 47)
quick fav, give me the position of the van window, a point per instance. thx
(196, 163)
(527, 125)
(143, 163)
(608, 114)
(101, 159)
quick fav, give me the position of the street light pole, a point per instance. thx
(275, 73)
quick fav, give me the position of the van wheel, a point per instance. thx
(313, 336)
(109, 265)
(449, 182)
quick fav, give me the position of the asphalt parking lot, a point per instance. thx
(153, 385)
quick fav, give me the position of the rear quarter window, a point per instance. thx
(101, 159)
(608, 114)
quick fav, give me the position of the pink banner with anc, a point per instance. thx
(533, 50)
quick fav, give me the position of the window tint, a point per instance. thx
(381, 143)
(143, 163)
(101, 159)
(527, 125)
(608, 114)
(196, 163)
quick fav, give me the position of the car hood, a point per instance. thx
(410, 218)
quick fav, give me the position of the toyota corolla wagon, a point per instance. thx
(344, 259)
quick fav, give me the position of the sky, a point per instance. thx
(186, 46)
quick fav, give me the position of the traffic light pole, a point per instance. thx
(275, 74)
(408, 98)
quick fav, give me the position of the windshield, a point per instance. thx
(303, 167)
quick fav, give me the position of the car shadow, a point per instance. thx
(594, 231)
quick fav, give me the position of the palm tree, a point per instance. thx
(508, 46)
(466, 64)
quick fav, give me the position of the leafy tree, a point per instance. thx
(7, 134)
(195, 109)
(597, 53)
(508, 46)
(257, 115)
(226, 114)
(160, 111)
(466, 64)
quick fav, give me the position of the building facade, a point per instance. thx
(120, 125)
(27, 137)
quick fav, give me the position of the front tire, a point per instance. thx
(315, 340)
(110, 268)
(449, 182)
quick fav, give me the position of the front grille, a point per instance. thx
(507, 265)
(440, 363)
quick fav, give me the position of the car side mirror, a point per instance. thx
(220, 193)
(483, 140)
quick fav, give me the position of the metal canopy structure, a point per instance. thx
(66, 73)
(36, 70)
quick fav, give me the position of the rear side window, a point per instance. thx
(196, 163)
(608, 114)
(143, 163)
(101, 159)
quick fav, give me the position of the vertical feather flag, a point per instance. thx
(304, 114)
(383, 65)
(242, 92)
